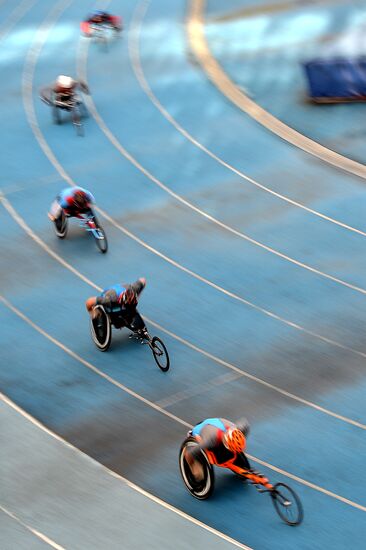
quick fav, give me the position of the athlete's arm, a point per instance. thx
(108, 299)
(139, 285)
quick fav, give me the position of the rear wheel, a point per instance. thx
(104, 38)
(61, 226)
(160, 353)
(56, 116)
(76, 120)
(287, 504)
(83, 110)
(100, 328)
(202, 488)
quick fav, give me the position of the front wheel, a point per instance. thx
(100, 239)
(202, 488)
(287, 504)
(160, 353)
(100, 328)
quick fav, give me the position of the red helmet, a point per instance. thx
(128, 297)
(80, 199)
(234, 440)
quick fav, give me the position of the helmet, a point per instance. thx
(234, 440)
(64, 81)
(80, 199)
(128, 297)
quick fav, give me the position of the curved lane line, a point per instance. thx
(19, 220)
(220, 80)
(134, 50)
(133, 486)
(81, 71)
(38, 534)
(139, 397)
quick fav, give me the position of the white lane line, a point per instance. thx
(263, 382)
(15, 16)
(213, 70)
(133, 486)
(133, 42)
(163, 411)
(19, 220)
(81, 71)
(35, 532)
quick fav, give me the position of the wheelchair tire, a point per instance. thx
(76, 120)
(101, 330)
(56, 116)
(160, 354)
(202, 489)
(61, 226)
(101, 239)
(287, 504)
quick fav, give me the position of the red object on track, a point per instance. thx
(85, 27)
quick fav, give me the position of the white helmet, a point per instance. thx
(64, 81)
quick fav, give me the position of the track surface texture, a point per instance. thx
(252, 246)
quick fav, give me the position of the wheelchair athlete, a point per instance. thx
(99, 17)
(63, 92)
(121, 300)
(72, 202)
(223, 442)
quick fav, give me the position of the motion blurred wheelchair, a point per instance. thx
(72, 104)
(101, 331)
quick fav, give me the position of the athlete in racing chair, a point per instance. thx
(223, 442)
(71, 202)
(99, 17)
(122, 301)
(62, 93)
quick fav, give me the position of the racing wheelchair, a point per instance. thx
(73, 105)
(101, 331)
(89, 222)
(285, 501)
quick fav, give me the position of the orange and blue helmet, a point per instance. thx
(234, 440)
